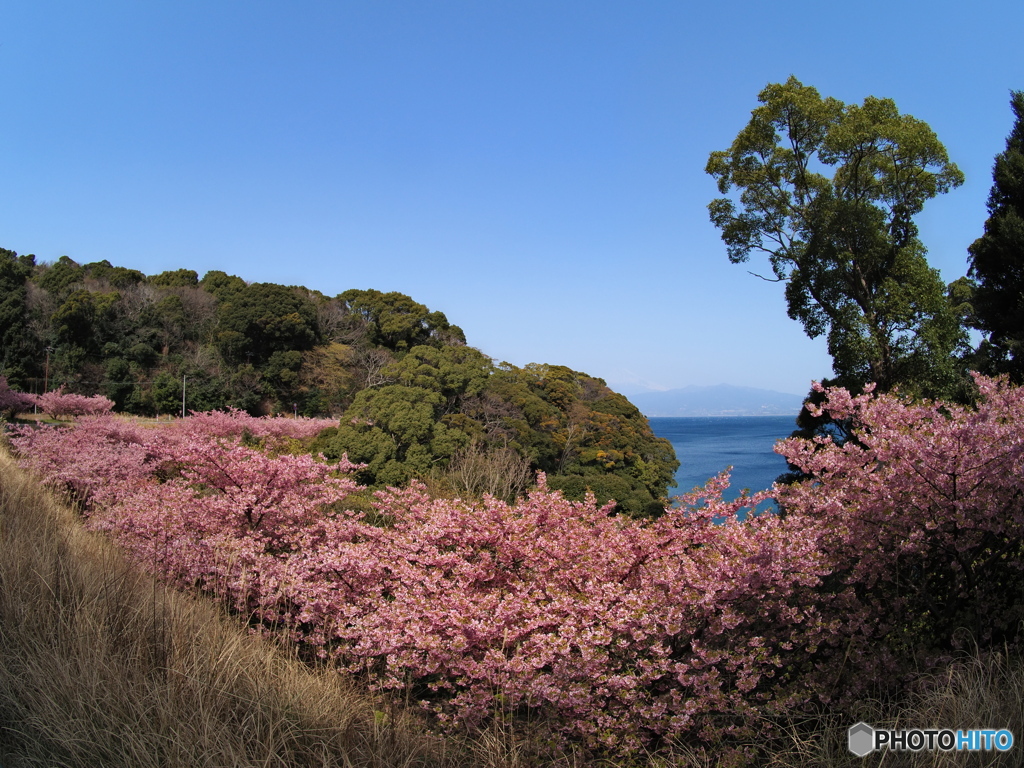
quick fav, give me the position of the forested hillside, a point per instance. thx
(411, 398)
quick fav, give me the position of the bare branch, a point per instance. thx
(769, 279)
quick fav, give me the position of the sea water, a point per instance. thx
(706, 445)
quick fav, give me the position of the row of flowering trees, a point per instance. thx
(56, 403)
(704, 622)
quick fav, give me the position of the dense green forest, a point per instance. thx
(411, 398)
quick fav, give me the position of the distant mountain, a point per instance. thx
(718, 400)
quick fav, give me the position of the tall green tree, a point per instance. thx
(15, 347)
(58, 279)
(263, 318)
(997, 257)
(829, 191)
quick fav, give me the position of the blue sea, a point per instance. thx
(705, 445)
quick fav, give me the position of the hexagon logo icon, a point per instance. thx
(861, 739)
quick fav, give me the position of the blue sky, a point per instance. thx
(535, 170)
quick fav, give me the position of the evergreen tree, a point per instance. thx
(997, 257)
(845, 244)
(15, 347)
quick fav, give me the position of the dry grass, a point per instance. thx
(974, 692)
(101, 665)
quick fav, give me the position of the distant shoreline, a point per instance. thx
(723, 400)
(719, 415)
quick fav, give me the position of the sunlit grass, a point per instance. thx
(103, 666)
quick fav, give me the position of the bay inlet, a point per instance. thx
(706, 445)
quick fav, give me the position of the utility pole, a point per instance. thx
(183, 396)
(46, 371)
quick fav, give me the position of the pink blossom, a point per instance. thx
(702, 622)
(58, 404)
(13, 402)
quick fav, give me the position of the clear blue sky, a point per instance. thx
(534, 169)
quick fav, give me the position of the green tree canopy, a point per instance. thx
(220, 284)
(58, 278)
(264, 318)
(416, 400)
(117, 277)
(397, 322)
(83, 320)
(14, 343)
(997, 257)
(442, 402)
(179, 278)
(829, 192)
(572, 425)
(399, 431)
(454, 372)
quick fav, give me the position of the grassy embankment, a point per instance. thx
(100, 665)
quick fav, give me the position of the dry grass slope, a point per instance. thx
(100, 665)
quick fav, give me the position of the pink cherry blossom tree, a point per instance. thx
(921, 518)
(705, 622)
(60, 404)
(13, 402)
